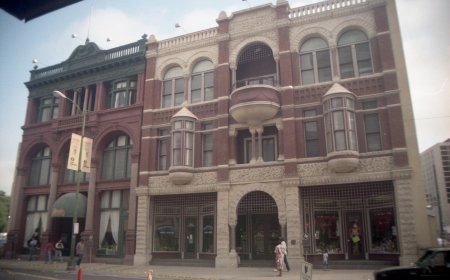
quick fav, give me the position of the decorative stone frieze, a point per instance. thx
(369, 169)
(261, 174)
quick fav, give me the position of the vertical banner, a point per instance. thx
(74, 153)
(86, 155)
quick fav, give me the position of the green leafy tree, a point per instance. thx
(4, 211)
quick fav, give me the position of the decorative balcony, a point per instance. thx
(254, 104)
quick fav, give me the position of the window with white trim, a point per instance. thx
(311, 134)
(123, 93)
(202, 82)
(48, 108)
(113, 222)
(269, 148)
(372, 127)
(354, 54)
(182, 142)
(207, 144)
(173, 88)
(41, 167)
(315, 63)
(163, 148)
(340, 123)
(117, 158)
(36, 219)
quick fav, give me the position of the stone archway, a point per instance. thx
(258, 227)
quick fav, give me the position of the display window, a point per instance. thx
(383, 231)
(327, 232)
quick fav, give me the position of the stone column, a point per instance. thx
(232, 133)
(17, 204)
(233, 77)
(260, 130)
(52, 196)
(143, 251)
(130, 235)
(406, 220)
(279, 125)
(224, 258)
(252, 132)
(293, 221)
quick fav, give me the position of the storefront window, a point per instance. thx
(326, 234)
(167, 234)
(208, 234)
(383, 231)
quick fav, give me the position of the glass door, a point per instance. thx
(355, 236)
(190, 230)
(265, 233)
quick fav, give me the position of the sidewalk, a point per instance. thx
(190, 273)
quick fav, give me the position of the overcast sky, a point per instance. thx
(424, 25)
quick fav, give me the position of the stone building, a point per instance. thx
(280, 121)
(108, 85)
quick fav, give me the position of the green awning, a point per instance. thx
(64, 206)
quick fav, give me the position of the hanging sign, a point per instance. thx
(74, 153)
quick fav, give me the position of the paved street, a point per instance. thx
(97, 271)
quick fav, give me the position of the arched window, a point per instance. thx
(354, 54)
(123, 93)
(117, 159)
(202, 82)
(315, 61)
(256, 65)
(173, 88)
(40, 167)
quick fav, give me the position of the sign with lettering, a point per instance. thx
(74, 153)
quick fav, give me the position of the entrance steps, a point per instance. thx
(183, 262)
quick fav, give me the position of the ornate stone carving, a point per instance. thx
(261, 174)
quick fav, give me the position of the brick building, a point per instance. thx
(280, 121)
(109, 86)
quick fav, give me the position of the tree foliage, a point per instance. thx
(4, 211)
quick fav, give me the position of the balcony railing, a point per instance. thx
(261, 80)
(100, 57)
(322, 7)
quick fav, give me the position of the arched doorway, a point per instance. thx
(258, 228)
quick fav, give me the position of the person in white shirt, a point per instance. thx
(284, 248)
(59, 246)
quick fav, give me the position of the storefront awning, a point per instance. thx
(64, 206)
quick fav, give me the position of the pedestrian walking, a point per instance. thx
(279, 258)
(32, 246)
(284, 248)
(59, 246)
(325, 260)
(49, 249)
(80, 251)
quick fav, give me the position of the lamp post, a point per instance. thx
(70, 264)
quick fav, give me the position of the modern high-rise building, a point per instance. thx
(208, 147)
(436, 175)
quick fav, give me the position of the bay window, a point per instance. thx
(340, 123)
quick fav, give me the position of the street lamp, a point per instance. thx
(70, 264)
